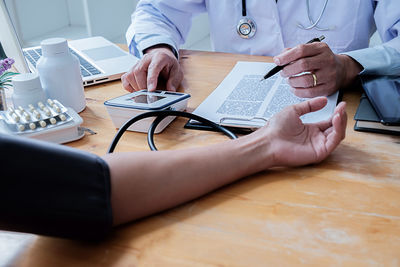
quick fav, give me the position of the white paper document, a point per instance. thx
(244, 100)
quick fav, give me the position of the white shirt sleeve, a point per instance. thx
(383, 59)
(161, 22)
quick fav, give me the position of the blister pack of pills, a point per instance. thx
(49, 121)
(35, 117)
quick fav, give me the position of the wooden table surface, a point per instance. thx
(343, 211)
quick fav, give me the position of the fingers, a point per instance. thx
(127, 82)
(338, 133)
(141, 73)
(300, 51)
(159, 61)
(304, 81)
(154, 70)
(175, 78)
(319, 90)
(315, 58)
(307, 64)
(326, 126)
(135, 79)
(303, 86)
(310, 105)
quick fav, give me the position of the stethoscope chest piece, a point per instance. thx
(246, 28)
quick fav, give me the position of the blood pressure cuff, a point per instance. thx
(53, 190)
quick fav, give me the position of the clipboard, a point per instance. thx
(245, 101)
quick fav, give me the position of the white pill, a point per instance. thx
(56, 108)
(36, 114)
(47, 111)
(32, 126)
(41, 106)
(15, 117)
(21, 108)
(42, 123)
(27, 117)
(50, 102)
(31, 107)
(62, 117)
(53, 121)
(21, 127)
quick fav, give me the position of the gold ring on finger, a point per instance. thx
(315, 79)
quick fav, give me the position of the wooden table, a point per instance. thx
(344, 211)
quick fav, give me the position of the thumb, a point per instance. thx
(311, 105)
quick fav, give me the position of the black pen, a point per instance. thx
(279, 68)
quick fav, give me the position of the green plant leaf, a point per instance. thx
(7, 74)
(6, 85)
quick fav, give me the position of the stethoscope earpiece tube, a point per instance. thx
(161, 114)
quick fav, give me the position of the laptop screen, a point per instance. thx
(9, 40)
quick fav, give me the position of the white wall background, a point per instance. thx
(36, 20)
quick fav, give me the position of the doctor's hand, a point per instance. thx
(294, 143)
(328, 71)
(158, 61)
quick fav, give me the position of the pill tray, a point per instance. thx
(50, 121)
(35, 118)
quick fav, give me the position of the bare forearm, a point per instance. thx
(143, 183)
(147, 182)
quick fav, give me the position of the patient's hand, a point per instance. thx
(294, 143)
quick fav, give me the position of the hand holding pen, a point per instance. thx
(278, 68)
(313, 69)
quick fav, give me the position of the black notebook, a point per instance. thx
(368, 121)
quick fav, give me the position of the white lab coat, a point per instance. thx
(351, 23)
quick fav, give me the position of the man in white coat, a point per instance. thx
(270, 28)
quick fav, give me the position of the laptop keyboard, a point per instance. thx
(87, 69)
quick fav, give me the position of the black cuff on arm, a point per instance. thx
(163, 45)
(53, 190)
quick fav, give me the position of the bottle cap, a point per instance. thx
(54, 46)
(26, 82)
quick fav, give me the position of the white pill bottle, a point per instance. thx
(27, 90)
(60, 74)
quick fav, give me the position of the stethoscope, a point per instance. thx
(314, 24)
(247, 28)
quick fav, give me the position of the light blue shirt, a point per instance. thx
(350, 22)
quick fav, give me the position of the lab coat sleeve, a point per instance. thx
(149, 40)
(383, 59)
(161, 22)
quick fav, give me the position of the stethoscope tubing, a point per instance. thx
(162, 114)
(314, 24)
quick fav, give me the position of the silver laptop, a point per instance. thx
(100, 59)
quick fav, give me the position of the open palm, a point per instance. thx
(294, 143)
